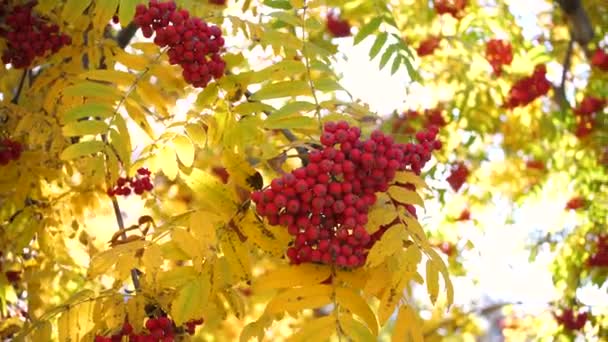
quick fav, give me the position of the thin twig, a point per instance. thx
(560, 91)
(20, 88)
(121, 226)
(126, 34)
(307, 65)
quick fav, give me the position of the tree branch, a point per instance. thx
(560, 91)
(121, 226)
(580, 25)
(126, 34)
(15, 99)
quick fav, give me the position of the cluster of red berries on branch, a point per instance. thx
(325, 204)
(409, 120)
(455, 8)
(193, 44)
(498, 53)
(28, 36)
(600, 257)
(465, 215)
(458, 175)
(529, 88)
(336, 26)
(575, 203)
(600, 59)
(446, 248)
(10, 150)
(160, 329)
(570, 320)
(428, 46)
(138, 184)
(586, 113)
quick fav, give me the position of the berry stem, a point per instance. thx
(121, 227)
(15, 99)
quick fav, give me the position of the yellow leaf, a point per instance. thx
(290, 122)
(92, 89)
(270, 239)
(405, 177)
(42, 333)
(403, 195)
(176, 277)
(206, 96)
(356, 330)
(236, 255)
(121, 145)
(138, 115)
(131, 61)
(377, 280)
(168, 162)
(203, 227)
(414, 228)
(213, 194)
(440, 265)
(103, 261)
(152, 95)
(256, 329)
(197, 134)
(353, 302)
(320, 329)
(432, 280)
(81, 149)
(117, 77)
(94, 110)
(248, 108)
(191, 300)
(136, 311)
(235, 301)
(281, 89)
(88, 127)
(391, 242)
(184, 150)
(186, 242)
(73, 9)
(104, 10)
(300, 298)
(75, 323)
(380, 216)
(407, 326)
(291, 276)
(152, 258)
(389, 300)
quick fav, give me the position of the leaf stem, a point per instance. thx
(20, 88)
(307, 65)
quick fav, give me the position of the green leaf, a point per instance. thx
(88, 127)
(92, 89)
(81, 149)
(96, 110)
(280, 4)
(367, 29)
(294, 107)
(206, 96)
(327, 85)
(121, 146)
(396, 64)
(387, 55)
(291, 121)
(247, 108)
(282, 89)
(378, 44)
(126, 10)
(74, 8)
(191, 300)
(287, 18)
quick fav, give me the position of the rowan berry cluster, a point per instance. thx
(528, 89)
(28, 36)
(325, 204)
(446, 248)
(408, 121)
(575, 203)
(138, 184)
(455, 8)
(586, 113)
(9, 150)
(336, 26)
(498, 53)
(600, 257)
(600, 59)
(428, 46)
(570, 320)
(458, 175)
(160, 329)
(193, 44)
